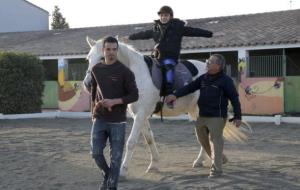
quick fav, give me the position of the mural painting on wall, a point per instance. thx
(260, 95)
(72, 96)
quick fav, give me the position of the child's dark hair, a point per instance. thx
(110, 39)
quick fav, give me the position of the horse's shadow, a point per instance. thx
(143, 184)
(255, 178)
(239, 178)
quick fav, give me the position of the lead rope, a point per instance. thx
(161, 111)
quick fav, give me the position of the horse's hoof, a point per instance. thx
(197, 164)
(225, 159)
(152, 170)
(206, 163)
(122, 178)
(123, 172)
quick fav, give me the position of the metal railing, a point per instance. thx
(77, 71)
(266, 66)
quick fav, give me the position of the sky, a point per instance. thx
(89, 13)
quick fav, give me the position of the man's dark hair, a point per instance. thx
(110, 39)
(220, 60)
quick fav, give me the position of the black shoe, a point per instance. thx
(103, 188)
(169, 88)
(104, 184)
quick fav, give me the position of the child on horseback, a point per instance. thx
(167, 33)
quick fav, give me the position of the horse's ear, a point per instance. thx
(90, 41)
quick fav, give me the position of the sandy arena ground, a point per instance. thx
(49, 154)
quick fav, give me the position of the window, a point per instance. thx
(77, 69)
(51, 70)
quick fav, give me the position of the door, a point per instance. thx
(292, 94)
(50, 95)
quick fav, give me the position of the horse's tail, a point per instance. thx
(194, 114)
(234, 134)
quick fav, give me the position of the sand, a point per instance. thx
(49, 154)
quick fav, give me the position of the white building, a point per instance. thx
(262, 53)
(21, 15)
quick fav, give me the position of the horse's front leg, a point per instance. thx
(202, 159)
(138, 123)
(148, 135)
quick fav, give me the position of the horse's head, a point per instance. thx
(126, 53)
(95, 52)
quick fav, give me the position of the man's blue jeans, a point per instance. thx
(115, 133)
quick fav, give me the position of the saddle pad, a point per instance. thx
(182, 76)
(190, 66)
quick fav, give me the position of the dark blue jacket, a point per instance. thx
(168, 37)
(215, 91)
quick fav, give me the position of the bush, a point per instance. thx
(21, 83)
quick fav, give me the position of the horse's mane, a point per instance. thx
(127, 54)
(130, 53)
(129, 48)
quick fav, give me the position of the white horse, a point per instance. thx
(148, 97)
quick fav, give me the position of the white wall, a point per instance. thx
(20, 15)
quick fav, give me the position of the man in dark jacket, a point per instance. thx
(167, 33)
(112, 87)
(216, 88)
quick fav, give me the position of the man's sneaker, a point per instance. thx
(214, 173)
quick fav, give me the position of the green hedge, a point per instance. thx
(21, 83)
